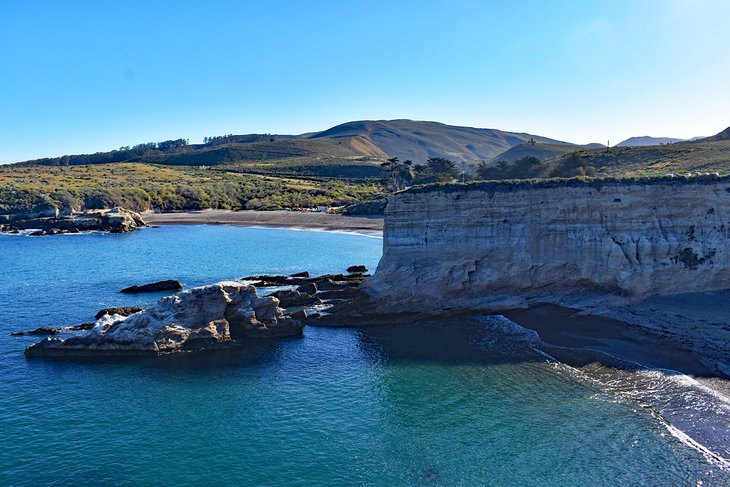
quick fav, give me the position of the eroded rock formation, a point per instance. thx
(500, 245)
(51, 222)
(206, 317)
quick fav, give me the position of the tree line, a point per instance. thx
(123, 154)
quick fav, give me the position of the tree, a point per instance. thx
(443, 170)
(398, 174)
(436, 170)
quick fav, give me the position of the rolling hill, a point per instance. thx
(541, 151)
(336, 167)
(346, 158)
(352, 150)
(417, 140)
(647, 140)
(656, 160)
(527, 161)
(724, 135)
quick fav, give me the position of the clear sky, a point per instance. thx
(87, 76)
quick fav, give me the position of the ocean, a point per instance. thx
(458, 402)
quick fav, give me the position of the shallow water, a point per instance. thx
(460, 403)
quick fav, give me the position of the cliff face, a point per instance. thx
(499, 245)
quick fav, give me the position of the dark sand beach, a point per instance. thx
(290, 219)
(566, 327)
(569, 328)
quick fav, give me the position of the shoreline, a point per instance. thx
(628, 341)
(565, 327)
(659, 371)
(273, 219)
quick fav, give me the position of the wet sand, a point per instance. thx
(290, 219)
(565, 327)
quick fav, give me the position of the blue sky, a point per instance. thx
(86, 76)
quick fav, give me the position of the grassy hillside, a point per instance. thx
(657, 160)
(148, 186)
(724, 135)
(352, 169)
(350, 158)
(539, 151)
(417, 141)
(351, 150)
(646, 140)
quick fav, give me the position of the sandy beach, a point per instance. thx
(291, 219)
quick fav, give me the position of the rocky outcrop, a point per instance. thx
(51, 222)
(208, 317)
(334, 281)
(154, 287)
(120, 310)
(296, 298)
(498, 245)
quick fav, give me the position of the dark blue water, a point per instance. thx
(457, 403)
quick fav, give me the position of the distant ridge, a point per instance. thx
(646, 140)
(724, 135)
(419, 140)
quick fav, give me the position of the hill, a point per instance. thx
(656, 160)
(353, 150)
(417, 140)
(540, 151)
(351, 157)
(724, 135)
(646, 140)
(528, 161)
(339, 166)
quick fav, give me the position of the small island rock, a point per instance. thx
(120, 310)
(207, 317)
(153, 287)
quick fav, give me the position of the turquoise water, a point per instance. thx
(458, 403)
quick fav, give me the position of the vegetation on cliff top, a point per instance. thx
(579, 181)
(707, 155)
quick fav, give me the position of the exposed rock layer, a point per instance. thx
(500, 245)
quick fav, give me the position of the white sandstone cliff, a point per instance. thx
(500, 245)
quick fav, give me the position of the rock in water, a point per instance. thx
(51, 222)
(121, 311)
(168, 285)
(207, 317)
(354, 269)
(43, 330)
(120, 220)
(296, 298)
